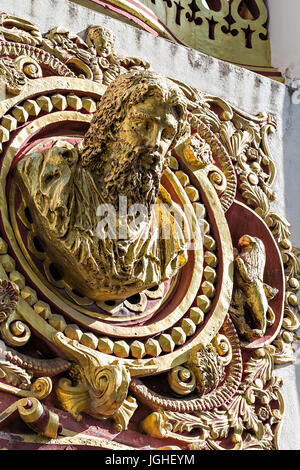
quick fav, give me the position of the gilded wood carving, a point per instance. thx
(171, 331)
(120, 160)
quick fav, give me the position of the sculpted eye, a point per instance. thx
(168, 133)
(143, 125)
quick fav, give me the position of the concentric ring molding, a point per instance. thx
(216, 318)
(105, 328)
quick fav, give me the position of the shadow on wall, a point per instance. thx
(291, 170)
(291, 160)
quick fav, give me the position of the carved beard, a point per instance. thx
(124, 171)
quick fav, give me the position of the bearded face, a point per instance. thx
(133, 164)
(127, 173)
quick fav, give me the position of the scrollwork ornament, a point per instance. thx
(18, 381)
(15, 72)
(29, 66)
(42, 387)
(204, 370)
(74, 397)
(247, 140)
(207, 368)
(108, 389)
(14, 78)
(213, 387)
(223, 348)
(73, 51)
(250, 418)
(217, 179)
(218, 393)
(124, 413)
(9, 296)
(182, 380)
(38, 417)
(99, 389)
(14, 331)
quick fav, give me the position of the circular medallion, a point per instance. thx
(160, 324)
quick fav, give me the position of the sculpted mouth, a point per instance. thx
(149, 158)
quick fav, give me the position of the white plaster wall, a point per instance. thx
(248, 91)
(285, 36)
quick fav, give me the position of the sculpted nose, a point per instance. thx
(155, 139)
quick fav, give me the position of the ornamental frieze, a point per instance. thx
(236, 31)
(147, 287)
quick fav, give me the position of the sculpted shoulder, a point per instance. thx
(138, 121)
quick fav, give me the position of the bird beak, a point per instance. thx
(244, 241)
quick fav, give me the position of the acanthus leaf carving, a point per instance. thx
(16, 29)
(9, 296)
(14, 78)
(252, 414)
(15, 375)
(99, 389)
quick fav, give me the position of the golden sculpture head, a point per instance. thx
(139, 120)
(248, 243)
(102, 39)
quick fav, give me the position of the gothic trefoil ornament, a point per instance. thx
(139, 303)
